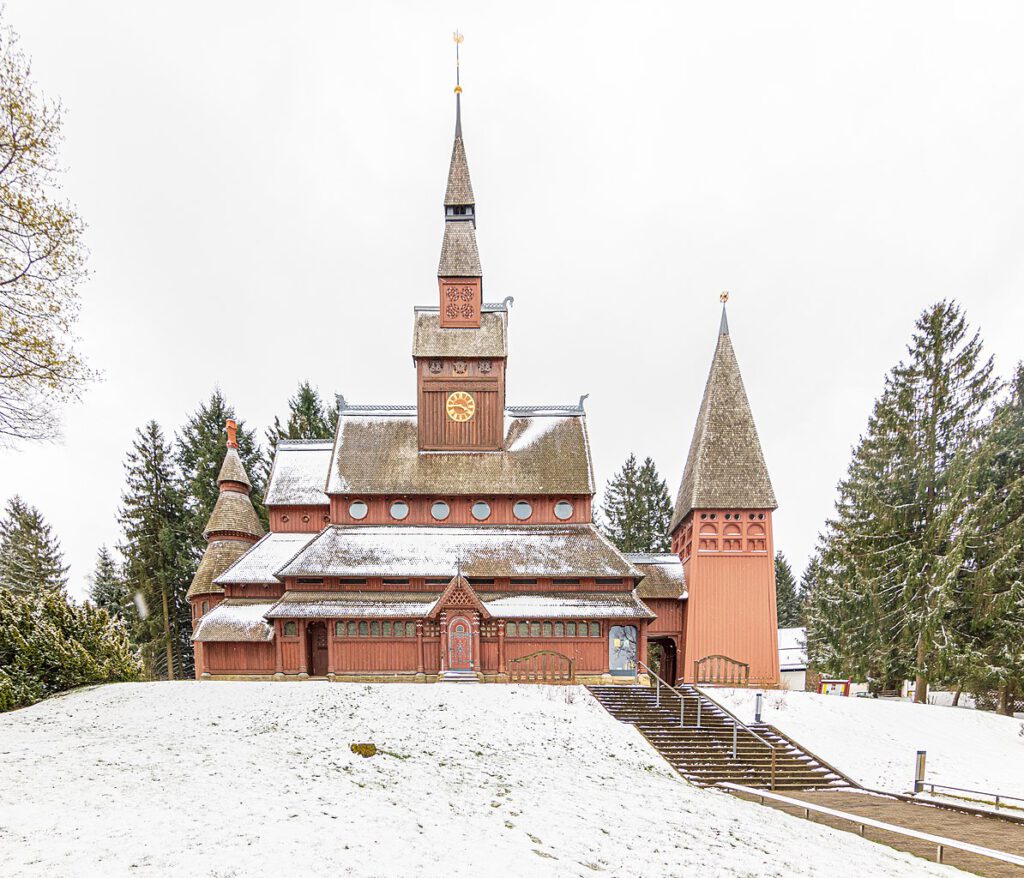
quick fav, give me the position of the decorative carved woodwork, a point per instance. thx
(460, 302)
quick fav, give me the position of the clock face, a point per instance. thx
(460, 406)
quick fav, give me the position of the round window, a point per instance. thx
(439, 510)
(563, 510)
(358, 509)
(481, 510)
(399, 510)
(522, 510)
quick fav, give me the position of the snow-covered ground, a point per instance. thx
(875, 740)
(233, 779)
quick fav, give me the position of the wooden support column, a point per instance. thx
(330, 644)
(444, 641)
(477, 665)
(501, 647)
(641, 644)
(303, 649)
(419, 646)
(278, 656)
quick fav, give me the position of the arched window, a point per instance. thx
(510, 629)
(339, 629)
(410, 629)
(351, 629)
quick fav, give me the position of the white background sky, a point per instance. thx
(263, 184)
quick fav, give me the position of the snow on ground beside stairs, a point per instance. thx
(239, 779)
(874, 740)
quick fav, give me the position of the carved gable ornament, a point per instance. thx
(459, 595)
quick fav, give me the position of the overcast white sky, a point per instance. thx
(263, 187)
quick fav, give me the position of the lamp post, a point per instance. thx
(757, 707)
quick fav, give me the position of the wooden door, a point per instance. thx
(318, 649)
(460, 644)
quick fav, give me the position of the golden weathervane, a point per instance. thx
(458, 41)
(724, 297)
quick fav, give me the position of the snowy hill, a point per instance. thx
(233, 779)
(874, 740)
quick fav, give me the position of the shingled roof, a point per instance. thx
(725, 467)
(664, 575)
(545, 451)
(459, 254)
(232, 470)
(258, 565)
(233, 513)
(570, 550)
(218, 557)
(236, 620)
(430, 339)
(460, 189)
(299, 473)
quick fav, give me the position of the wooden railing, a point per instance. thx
(543, 666)
(720, 670)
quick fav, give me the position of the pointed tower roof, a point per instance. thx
(460, 188)
(233, 526)
(459, 254)
(725, 467)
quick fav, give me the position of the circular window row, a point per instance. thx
(481, 510)
(733, 516)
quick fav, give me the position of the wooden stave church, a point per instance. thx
(454, 539)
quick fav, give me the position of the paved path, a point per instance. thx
(990, 832)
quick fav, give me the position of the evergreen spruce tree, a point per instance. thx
(308, 418)
(789, 609)
(989, 622)
(887, 588)
(109, 591)
(199, 453)
(30, 555)
(637, 509)
(156, 552)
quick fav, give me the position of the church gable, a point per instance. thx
(459, 595)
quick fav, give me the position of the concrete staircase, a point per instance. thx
(704, 755)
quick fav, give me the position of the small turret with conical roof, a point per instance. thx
(231, 530)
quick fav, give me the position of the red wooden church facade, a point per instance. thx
(455, 538)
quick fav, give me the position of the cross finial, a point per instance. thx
(458, 37)
(724, 296)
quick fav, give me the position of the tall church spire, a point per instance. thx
(725, 468)
(460, 277)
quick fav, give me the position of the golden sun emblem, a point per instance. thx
(460, 406)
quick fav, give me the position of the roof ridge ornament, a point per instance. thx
(723, 328)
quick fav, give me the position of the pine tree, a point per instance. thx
(199, 453)
(308, 418)
(989, 628)
(887, 585)
(789, 609)
(30, 554)
(156, 552)
(109, 591)
(637, 509)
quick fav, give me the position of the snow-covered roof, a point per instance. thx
(587, 605)
(664, 576)
(792, 649)
(545, 451)
(264, 558)
(567, 550)
(236, 620)
(355, 604)
(299, 473)
(430, 339)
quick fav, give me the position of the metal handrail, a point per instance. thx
(999, 798)
(737, 723)
(940, 842)
(732, 716)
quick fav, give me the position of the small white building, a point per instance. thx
(793, 658)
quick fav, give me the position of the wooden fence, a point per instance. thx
(543, 666)
(720, 670)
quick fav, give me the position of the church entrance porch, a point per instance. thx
(460, 644)
(663, 658)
